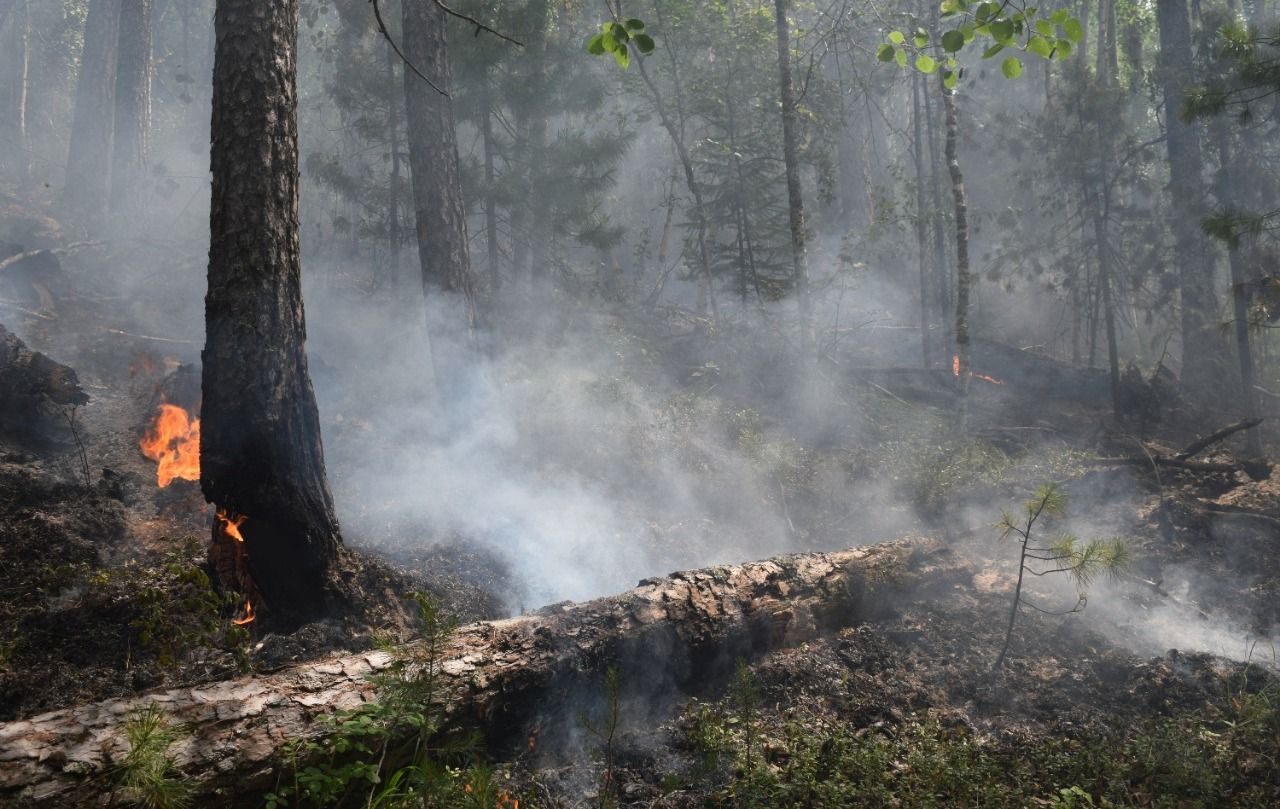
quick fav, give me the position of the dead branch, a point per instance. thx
(57, 251)
(1203, 443)
(480, 27)
(382, 28)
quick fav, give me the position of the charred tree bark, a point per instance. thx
(505, 678)
(261, 456)
(795, 197)
(1186, 188)
(133, 100)
(439, 215)
(89, 163)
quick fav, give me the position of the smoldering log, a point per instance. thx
(680, 634)
(28, 380)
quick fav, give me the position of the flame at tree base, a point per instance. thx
(236, 571)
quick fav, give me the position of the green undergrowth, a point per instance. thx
(1225, 754)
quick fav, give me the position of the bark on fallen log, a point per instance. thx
(507, 678)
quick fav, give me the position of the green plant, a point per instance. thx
(1064, 554)
(745, 696)
(386, 752)
(606, 731)
(147, 776)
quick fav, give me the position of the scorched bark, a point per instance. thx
(261, 456)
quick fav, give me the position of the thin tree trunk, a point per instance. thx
(133, 100)
(922, 234)
(1239, 293)
(490, 200)
(1108, 308)
(675, 131)
(22, 154)
(89, 161)
(795, 197)
(395, 238)
(1191, 257)
(941, 258)
(536, 212)
(962, 358)
(261, 455)
(439, 214)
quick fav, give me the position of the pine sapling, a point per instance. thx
(1064, 554)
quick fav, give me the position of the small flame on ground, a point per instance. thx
(231, 525)
(955, 371)
(173, 442)
(247, 617)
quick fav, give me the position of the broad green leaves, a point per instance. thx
(1012, 24)
(616, 39)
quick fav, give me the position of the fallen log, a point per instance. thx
(510, 678)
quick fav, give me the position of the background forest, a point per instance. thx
(772, 278)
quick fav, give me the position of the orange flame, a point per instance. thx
(955, 371)
(231, 525)
(173, 442)
(248, 616)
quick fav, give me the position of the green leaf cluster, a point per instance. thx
(616, 38)
(1007, 25)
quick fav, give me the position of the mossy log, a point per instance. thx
(669, 636)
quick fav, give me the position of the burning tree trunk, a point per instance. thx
(678, 635)
(261, 457)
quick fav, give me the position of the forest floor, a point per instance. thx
(102, 594)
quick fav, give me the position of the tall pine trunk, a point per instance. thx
(439, 214)
(89, 162)
(261, 455)
(963, 360)
(1186, 188)
(795, 197)
(133, 100)
(1227, 180)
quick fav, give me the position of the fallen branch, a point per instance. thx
(1193, 466)
(1226, 432)
(57, 251)
(1238, 512)
(678, 634)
